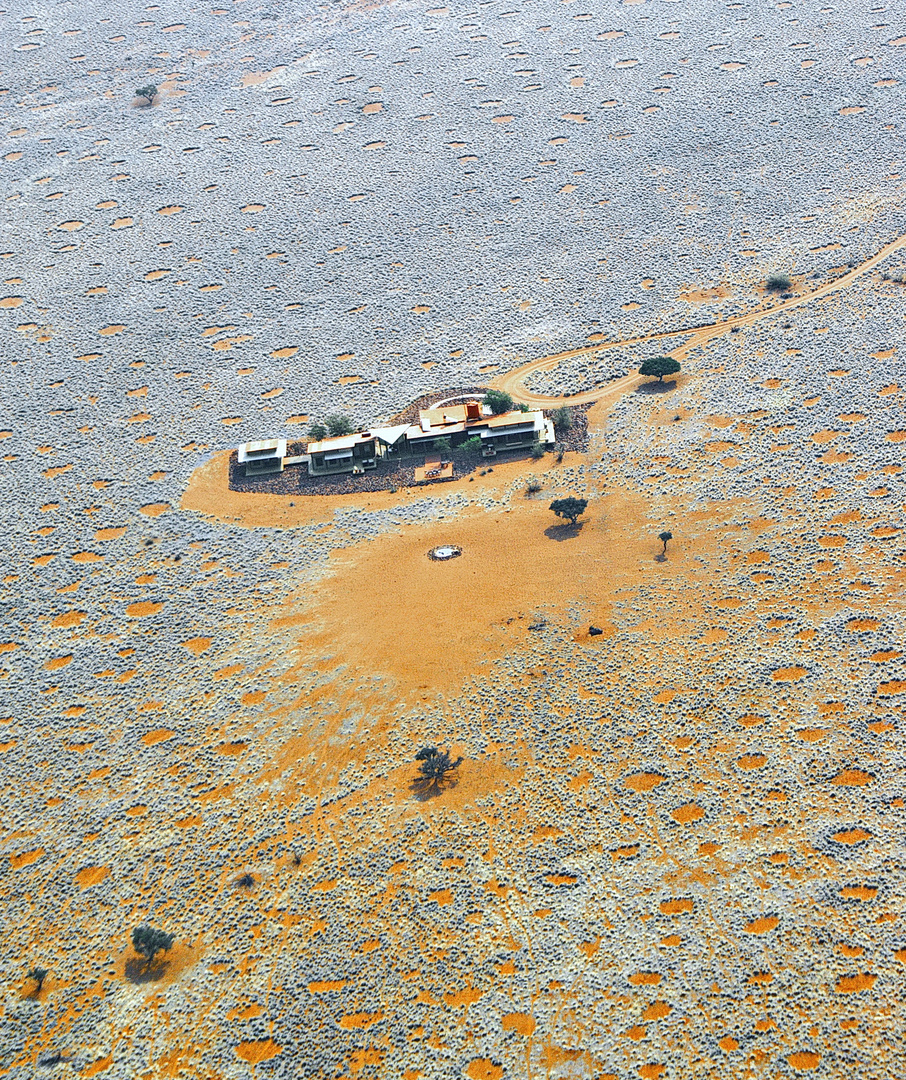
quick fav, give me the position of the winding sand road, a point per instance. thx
(513, 382)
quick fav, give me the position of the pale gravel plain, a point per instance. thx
(511, 196)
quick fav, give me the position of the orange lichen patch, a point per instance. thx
(561, 879)
(142, 608)
(627, 852)
(811, 734)
(158, 736)
(751, 720)
(762, 925)
(113, 328)
(804, 1060)
(852, 778)
(233, 749)
(524, 1023)
(70, 618)
(677, 907)
(25, 858)
(708, 849)
(789, 674)
(254, 697)
(110, 534)
(99, 1066)
(197, 645)
(463, 997)
(57, 470)
(896, 686)
(859, 892)
(441, 897)
(252, 208)
(651, 1071)
(895, 436)
(657, 1010)
(831, 541)
(188, 822)
(259, 1050)
(752, 761)
(728, 1044)
(167, 210)
(91, 875)
(484, 1069)
(884, 655)
(854, 984)
(154, 509)
(360, 1021)
(687, 813)
(645, 978)
(644, 781)
(11, 301)
(852, 836)
(87, 557)
(71, 226)
(863, 624)
(155, 275)
(58, 662)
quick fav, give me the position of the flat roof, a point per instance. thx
(510, 420)
(342, 442)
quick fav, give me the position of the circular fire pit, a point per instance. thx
(444, 552)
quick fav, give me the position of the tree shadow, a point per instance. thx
(656, 387)
(425, 788)
(563, 532)
(139, 972)
(660, 557)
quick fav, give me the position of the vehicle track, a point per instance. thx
(513, 382)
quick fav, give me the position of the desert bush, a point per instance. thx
(149, 942)
(498, 401)
(317, 432)
(339, 425)
(660, 366)
(569, 508)
(435, 767)
(538, 450)
(471, 445)
(777, 283)
(149, 92)
(562, 418)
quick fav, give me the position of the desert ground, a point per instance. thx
(673, 849)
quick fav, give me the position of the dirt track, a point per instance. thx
(513, 382)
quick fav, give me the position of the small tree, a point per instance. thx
(442, 445)
(664, 537)
(562, 418)
(660, 366)
(538, 450)
(569, 508)
(434, 768)
(338, 425)
(498, 401)
(471, 445)
(317, 432)
(39, 974)
(149, 92)
(777, 283)
(149, 942)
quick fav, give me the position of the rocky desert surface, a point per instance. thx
(673, 849)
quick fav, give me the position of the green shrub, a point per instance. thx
(498, 401)
(317, 432)
(471, 445)
(569, 508)
(149, 942)
(538, 450)
(777, 283)
(562, 418)
(660, 366)
(339, 425)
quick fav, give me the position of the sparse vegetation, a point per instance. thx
(148, 92)
(338, 426)
(317, 432)
(660, 366)
(148, 942)
(562, 418)
(246, 881)
(569, 508)
(533, 486)
(434, 770)
(664, 537)
(39, 974)
(538, 450)
(498, 401)
(777, 283)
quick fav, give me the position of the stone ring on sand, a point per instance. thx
(444, 552)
